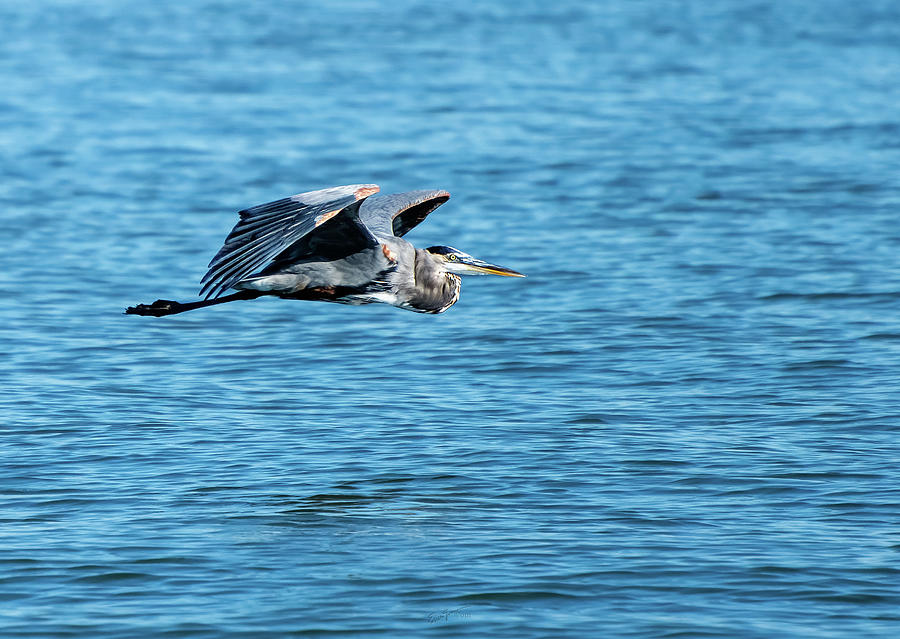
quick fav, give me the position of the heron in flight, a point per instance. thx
(335, 245)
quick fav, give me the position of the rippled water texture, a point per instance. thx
(684, 423)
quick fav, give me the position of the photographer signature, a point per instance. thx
(447, 613)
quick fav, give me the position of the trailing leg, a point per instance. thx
(171, 307)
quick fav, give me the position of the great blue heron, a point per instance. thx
(335, 245)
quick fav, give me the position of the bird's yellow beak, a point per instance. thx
(474, 266)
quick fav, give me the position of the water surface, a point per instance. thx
(683, 423)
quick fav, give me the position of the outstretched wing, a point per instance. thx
(398, 213)
(265, 231)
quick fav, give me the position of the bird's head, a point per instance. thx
(455, 261)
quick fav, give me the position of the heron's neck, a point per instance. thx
(436, 290)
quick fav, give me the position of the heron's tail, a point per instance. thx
(170, 307)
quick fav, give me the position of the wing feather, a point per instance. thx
(398, 213)
(267, 230)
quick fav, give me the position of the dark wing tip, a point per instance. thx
(417, 207)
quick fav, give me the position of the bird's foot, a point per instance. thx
(156, 309)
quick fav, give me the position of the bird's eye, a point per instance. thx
(451, 257)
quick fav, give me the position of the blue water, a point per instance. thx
(684, 423)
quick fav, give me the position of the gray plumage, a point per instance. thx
(342, 244)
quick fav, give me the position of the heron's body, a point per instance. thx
(393, 273)
(336, 245)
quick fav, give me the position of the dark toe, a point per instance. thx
(157, 308)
